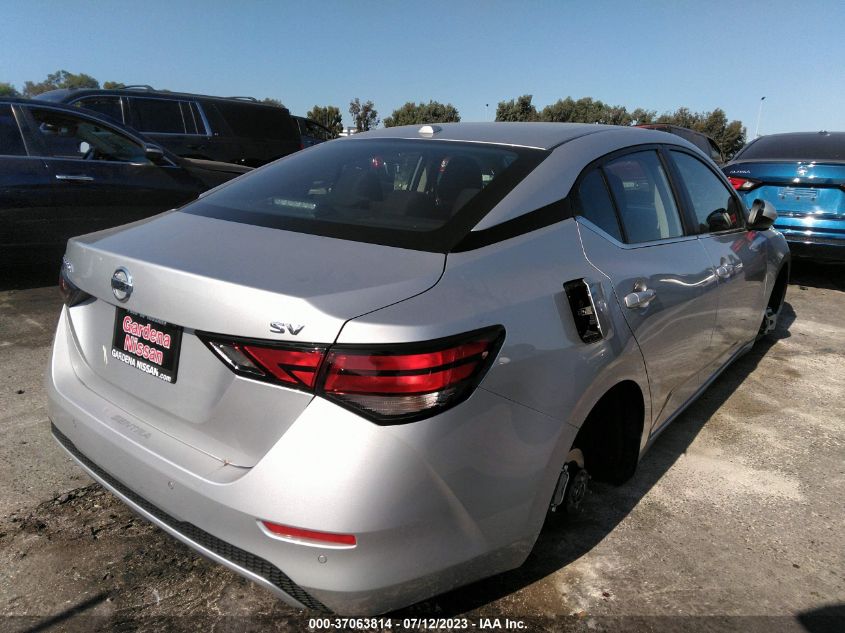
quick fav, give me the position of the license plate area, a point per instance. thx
(149, 345)
(798, 194)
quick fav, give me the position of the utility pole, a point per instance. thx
(486, 111)
(759, 116)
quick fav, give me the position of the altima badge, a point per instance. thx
(121, 284)
(282, 328)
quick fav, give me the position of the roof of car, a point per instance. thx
(835, 135)
(66, 107)
(60, 94)
(539, 135)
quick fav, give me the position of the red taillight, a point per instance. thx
(385, 383)
(395, 385)
(744, 184)
(71, 295)
(290, 366)
(299, 534)
(294, 366)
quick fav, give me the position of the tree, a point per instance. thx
(273, 102)
(328, 116)
(419, 113)
(731, 139)
(113, 85)
(60, 79)
(364, 115)
(641, 116)
(561, 111)
(519, 109)
(682, 117)
(8, 90)
(587, 110)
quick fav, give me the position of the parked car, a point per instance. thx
(64, 172)
(699, 139)
(802, 174)
(238, 130)
(366, 374)
(312, 132)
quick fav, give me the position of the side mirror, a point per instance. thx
(762, 215)
(153, 153)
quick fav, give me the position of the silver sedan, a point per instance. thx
(367, 373)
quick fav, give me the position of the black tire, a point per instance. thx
(774, 305)
(614, 445)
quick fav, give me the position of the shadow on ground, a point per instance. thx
(30, 276)
(827, 275)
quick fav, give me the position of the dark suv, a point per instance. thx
(238, 130)
(699, 139)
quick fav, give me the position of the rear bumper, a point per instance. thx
(244, 563)
(809, 245)
(433, 506)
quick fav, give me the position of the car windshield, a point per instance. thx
(816, 146)
(421, 194)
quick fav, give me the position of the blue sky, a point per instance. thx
(657, 55)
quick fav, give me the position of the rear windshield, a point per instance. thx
(420, 194)
(816, 146)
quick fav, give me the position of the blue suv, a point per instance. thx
(803, 175)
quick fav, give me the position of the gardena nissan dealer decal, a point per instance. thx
(149, 345)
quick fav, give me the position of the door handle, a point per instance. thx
(639, 299)
(725, 271)
(73, 178)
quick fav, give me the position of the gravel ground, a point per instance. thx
(734, 520)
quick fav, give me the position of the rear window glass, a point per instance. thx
(420, 194)
(816, 146)
(594, 203)
(258, 122)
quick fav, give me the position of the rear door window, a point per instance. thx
(643, 197)
(713, 204)
(161, 116)
(110, 106)
(11, 142)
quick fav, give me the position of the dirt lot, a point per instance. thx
(734, 520)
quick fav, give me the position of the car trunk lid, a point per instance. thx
(797, 189)
(198, 274)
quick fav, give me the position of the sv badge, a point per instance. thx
(285, 328)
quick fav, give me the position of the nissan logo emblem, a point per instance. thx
(121, 284)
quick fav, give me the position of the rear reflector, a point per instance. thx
(387, 384)
(299, 534)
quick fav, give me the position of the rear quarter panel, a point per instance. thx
(546, 378)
